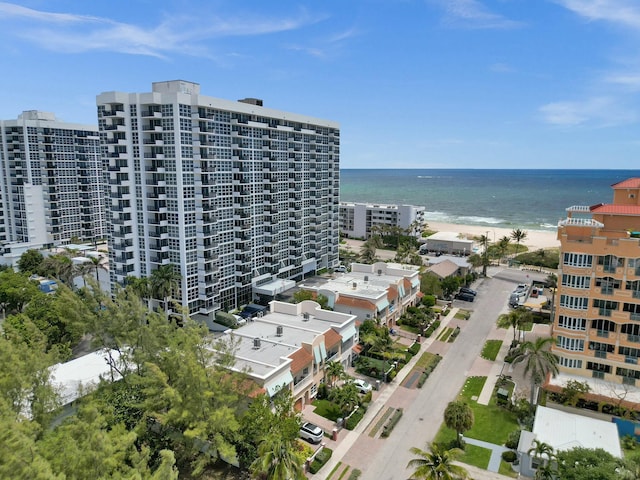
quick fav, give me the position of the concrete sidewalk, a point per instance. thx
(347, 441)
(497, 368)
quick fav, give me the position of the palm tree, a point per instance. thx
(164, 281)
(518, 235)
(98, 264)
(484, 240)
(334, 371)
(544, 453)
(277, 460)
(458, 416)
(368, 251)
(515, 318)
(503, 246)
(139, 286)
(539, 361)
(436, 464)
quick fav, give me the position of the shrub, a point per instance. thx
(323, 457)
(354, 419)
(414, 348)
(226, 319)
(509, 456)
(355, 474)
(366, 398)
(391, 423)
(513, 439)
(392, 375)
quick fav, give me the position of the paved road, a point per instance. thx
(423, 417)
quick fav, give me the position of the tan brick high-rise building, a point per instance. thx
(597, 305)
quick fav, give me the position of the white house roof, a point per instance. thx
(448, 236)
(79, 376)
(564, 431)
(459, 261)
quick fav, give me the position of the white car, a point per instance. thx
(340, 269)
(362, 385)
(311, 433)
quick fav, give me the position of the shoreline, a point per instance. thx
(535, 239)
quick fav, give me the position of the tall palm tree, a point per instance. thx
(98, 264)
(503, 246)
(538, 360)
(544, 453)
(368, 251)
(459, 417)
(518, 235)
(164, 281)
(436, 464)
(140, 286)
(484, 240)
(277, 460)
(334, 371)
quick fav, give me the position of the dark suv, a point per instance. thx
(468, 291)
(466, 297)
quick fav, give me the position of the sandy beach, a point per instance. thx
(535, 240)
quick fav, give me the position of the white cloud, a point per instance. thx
(474, 14)
(64, 32)
(596, 111)
(622, 12)
(629, 80)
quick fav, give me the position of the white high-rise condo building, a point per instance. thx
(52, 183)
(358, 220)
(242, 199)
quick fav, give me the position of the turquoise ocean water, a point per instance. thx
(528, 199)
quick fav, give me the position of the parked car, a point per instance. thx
(362, 385)
(468, 290)
(311, 433)
(340, 269)
(465, 297)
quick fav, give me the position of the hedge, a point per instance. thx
(355, 418)
(322, 458)
(391, 423)
(414, 348)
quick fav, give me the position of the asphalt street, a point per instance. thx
(423, 417)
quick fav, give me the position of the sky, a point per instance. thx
(412, 83)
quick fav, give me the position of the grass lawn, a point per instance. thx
(491, 349)
(426, 359)
(327, 409)
(462, 314)
(507, 469)
(444, 335)
(491, 423)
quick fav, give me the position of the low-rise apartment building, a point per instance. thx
(380, 292)
(290, 345)
(596, 323)
(358, 219)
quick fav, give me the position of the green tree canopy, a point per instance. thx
(538, 361)
(436, 464)
(30, 261)
(587, 464)
(459, 417)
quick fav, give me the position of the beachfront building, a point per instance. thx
(596, 323)
(52, 184)
(359, 220)
(290, 345)
(380, 292)
(444, 266)
(235, 195)
(450, 243)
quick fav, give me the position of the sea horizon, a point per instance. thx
(526, 198)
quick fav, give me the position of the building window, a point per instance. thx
(571, 344)
(572, 323)
(576, 281)
(575, 303)
(578, 260)
(570, 362)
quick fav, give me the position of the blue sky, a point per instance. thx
(413, 83)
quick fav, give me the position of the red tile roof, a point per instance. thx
(628, 183)
(617, 209)
(331, 338)
(300, 359)
(355, 302)
(392, 293)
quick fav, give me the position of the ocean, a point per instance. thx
(527, 199)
